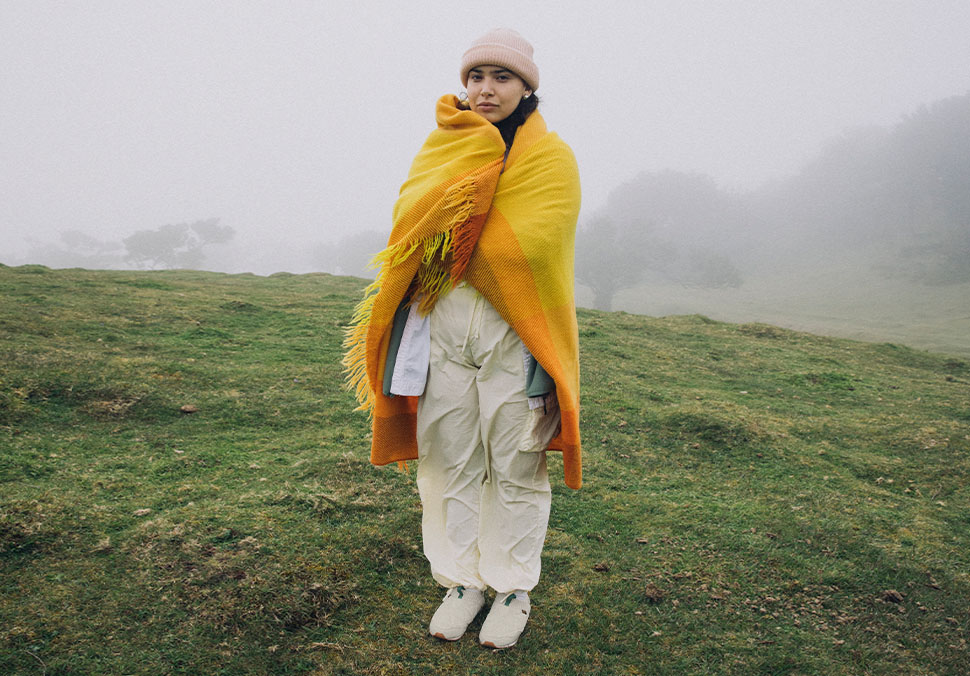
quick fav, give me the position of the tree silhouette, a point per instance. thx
(177, 245)
(610, 257)
(898, 198)
(661, 227)
(351, 254)
(78, 249)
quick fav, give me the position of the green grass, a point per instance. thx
(849, 300)
(751, 496)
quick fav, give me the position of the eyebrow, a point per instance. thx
(478, 69)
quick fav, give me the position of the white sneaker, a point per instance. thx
(457, 610)
(505, 620)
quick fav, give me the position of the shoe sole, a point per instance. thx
(489, 644)
(441, 636)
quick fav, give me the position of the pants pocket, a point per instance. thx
(542, 427)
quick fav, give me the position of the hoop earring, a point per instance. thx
(462, 96)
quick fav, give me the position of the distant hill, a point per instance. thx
(871, 239)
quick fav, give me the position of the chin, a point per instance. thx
(491, 115)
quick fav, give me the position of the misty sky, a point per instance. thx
(295, 121)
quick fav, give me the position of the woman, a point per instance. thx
(465, 348)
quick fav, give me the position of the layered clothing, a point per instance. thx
(502, 220)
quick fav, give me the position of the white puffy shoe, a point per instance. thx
(505, 620)
(457, 610)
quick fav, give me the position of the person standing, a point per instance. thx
(465, 348)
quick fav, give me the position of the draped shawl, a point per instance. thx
(505, 225)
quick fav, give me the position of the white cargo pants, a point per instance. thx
(481, 474)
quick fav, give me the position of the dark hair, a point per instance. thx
(511, 124)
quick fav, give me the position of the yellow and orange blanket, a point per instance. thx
(505, 225)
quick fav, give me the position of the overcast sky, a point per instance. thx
(294, 121)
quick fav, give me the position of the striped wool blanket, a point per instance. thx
(506, 226)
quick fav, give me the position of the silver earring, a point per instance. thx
(527, 96)
(462, 96)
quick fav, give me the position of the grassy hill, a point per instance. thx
(757, 501)
(845, 300)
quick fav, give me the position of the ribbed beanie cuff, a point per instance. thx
(502, 47)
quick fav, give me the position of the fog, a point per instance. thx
(292, 124)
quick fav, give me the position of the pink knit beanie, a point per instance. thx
(502, 47)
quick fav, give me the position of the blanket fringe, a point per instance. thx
(355, 346)
(443, 254)
(461, 198)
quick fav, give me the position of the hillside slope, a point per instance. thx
(757, 501)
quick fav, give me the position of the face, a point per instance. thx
(495, 92)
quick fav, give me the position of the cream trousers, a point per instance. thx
(481, 474)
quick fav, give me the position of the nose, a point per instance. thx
(486, 87)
